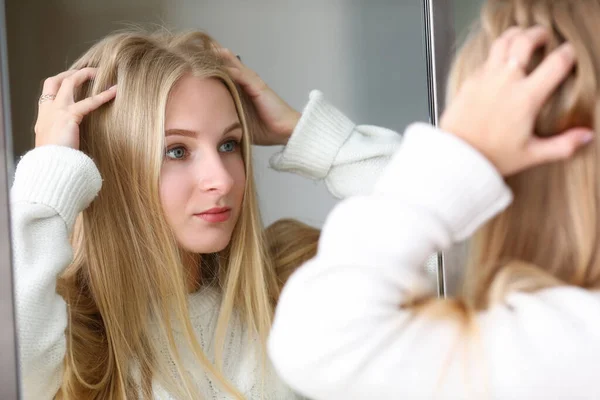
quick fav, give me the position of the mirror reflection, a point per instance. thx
(141, 266)
(461, 15)
(513, 164)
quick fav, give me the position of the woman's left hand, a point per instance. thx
(278, 118)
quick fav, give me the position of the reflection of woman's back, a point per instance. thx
(550, 234)
(175, 184)
(528, 323)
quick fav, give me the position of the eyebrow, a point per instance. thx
(186, 132)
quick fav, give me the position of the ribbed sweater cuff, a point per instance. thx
(62, 178)
(314, 144)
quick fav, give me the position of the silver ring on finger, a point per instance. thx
(46, 97)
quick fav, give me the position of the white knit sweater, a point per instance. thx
(340, 333)
(53, 184)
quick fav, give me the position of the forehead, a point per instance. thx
(199, 104)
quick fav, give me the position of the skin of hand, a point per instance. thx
(277, 117)
(495, 109)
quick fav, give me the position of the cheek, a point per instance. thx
(172, 192)
(238, 174)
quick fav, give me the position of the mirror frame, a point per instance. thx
(9, 370)
(440, 39)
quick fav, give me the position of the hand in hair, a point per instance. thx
(495, 110)
(277, 117)
(59, 115)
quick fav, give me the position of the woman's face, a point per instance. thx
(203, 174)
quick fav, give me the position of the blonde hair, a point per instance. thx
(550, 233)
(127, 273)
(290, 244)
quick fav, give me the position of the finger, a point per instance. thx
(86, 106)
(52, 84)
(250, 81)
(523, 45)
(238, 75)
(243, 76)
(67, 89)
(500, 46)
(229, 57)
(560, 147)
(234, 72)
(544, 80)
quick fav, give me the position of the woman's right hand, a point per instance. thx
(495, 109)
(59, 115)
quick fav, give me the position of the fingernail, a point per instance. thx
(112, 87)
(568, 49)
(587, 137)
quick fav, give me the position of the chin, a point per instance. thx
(207, 245)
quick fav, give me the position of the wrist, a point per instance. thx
(475, 144)
(290, 126)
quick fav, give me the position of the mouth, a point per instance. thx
(215, 215)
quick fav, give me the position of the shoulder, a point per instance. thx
(563, 317)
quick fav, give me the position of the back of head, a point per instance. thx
(549, 235)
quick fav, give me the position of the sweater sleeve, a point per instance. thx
(52, 186)
(340, 331)
(327, 146)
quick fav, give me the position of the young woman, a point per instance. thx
(142, 269)
(360, 322)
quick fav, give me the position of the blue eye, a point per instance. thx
(176, 153)
(229, 146)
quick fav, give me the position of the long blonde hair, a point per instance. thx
(128, 272)
(550, 233)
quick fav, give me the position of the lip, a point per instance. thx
(217, 214)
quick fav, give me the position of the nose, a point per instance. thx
(214, 176)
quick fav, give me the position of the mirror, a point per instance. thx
(367, 58)
(439, 35)
(9, 384)
(447, 24)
